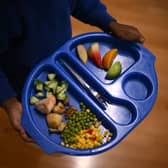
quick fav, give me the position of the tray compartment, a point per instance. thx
(126, 54)
(137, 86)
(75, 98)
(120, 111)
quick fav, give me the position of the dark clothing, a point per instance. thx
(32, 30)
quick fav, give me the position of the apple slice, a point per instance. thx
(82, 53)
(114, 71)
(94, 54)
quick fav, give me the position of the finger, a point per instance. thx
(136, 37)
(141, 39)
(25, 137)
(16, 125)
(22, 132)
(129, 35)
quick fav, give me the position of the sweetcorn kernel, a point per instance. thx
(67, 145)
(62, 143)
(88, 110)
(105, 133)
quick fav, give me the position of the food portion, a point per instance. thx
(55, 122)
(46, 105)
(51, 101)
(109, 58)
(107, 62)
(91, 138)
(114, 71)
(83, 130)
(82, 53)
(94, 54)
(79, 129)
(59, 108)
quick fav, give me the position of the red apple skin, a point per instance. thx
(97, 59)
(94, 54)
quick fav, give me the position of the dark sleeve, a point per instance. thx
(91, 12)
(10, 29)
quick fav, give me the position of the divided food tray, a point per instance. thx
(131, 95)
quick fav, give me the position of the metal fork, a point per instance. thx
(118, 113)
(99, 98)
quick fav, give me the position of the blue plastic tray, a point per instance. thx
(132, 94)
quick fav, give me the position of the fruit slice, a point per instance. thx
(82, 53)
(114, 71)
(94, 54)
(109, 58)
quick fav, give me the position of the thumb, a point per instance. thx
(22, 132)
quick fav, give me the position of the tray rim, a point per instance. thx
(73, 152)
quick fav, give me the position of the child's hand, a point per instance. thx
(14, 110)
(126, 32)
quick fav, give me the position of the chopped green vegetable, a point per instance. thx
(53, 85)
(51, 76)
(47, 88)
(38, 85)
(62, 87)
(48, 93)
(61, 96)
(37, 81)
(34, 100)
(47, 83)
(39, 94)
(58, 90)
